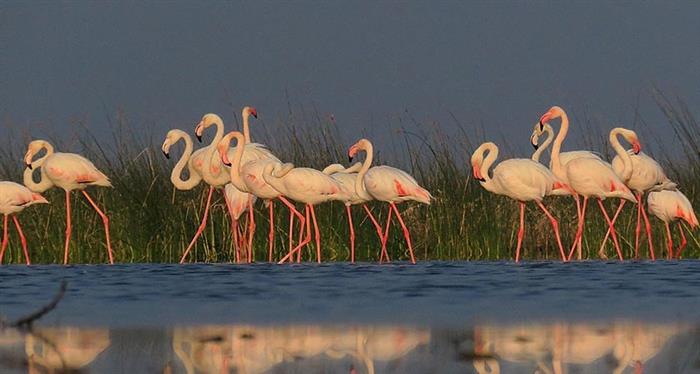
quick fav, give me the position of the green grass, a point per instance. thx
(151, 221)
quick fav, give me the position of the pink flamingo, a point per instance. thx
(520, 179)
(669, 206)
(347, 178)
(248, 176)
(564, 157)
(388, 184)
(213, 172)
(68, 171)
(590, 177)
(308, 186)
(237, 202)
(14, 197)
(647, 175)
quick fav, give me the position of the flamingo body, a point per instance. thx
(70, 172)
(521, 179)
(592, 177)
(647, 174)
(671, 205)
(389, 184)
(14, 197)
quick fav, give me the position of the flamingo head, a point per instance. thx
(631, 137)
(207, 120)
(32, 149)
(477, 160)
(250, 111)
(536, 132)
(168, 142)
(360, 145)
(552, 113)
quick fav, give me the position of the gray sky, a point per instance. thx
(503, 63)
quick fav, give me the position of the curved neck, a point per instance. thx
(210, 156)
(272, 179)
(538, 152)
(236, 178)
(557, 167)
(246, 127)
(193, 178)
(491, 157)
(360, 178)
(624, 156)
(44, 183)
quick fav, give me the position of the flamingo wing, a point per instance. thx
(524, 179)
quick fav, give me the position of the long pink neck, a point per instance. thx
(557, 167)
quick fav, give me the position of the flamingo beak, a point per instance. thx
(254, 113)
(166, 154)
(636, 147)
(29, 165)
(198, 131)
(477, 173)
(545, 118)
(533, 142)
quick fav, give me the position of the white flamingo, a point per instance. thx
(388, 184)
(14, 197)
(68, 171)
(520, 179)
(669, 206)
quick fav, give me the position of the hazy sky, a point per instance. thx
(503, 63)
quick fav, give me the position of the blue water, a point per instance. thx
(461, 317)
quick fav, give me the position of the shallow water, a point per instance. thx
(589, 317)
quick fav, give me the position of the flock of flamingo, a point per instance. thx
(249, 171)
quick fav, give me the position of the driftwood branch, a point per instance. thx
(27, 321)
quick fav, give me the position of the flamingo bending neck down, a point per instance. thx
(347, 178)
(520, 179)
(248, 177)
(388, 184)
(68, 171)
(669, 206)
(589, 177)
(308, 186)
(14, 197)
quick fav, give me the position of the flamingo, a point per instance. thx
(308, 186)
(388, 184)
(591, 177)
(213, 171)
(346, 177)
(236, 202)
(647, 175)
(520, 179)
(248, 177)
(669, 206)
(14, 197)
(68, 171)
(565, 157)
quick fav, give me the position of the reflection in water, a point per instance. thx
(622, 347)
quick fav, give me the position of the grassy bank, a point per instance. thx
(153, 222)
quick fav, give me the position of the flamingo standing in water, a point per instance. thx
(388, 184)
(347, 178)
(647, 175)
(68, 171)
(237, 202)
(213, 171)
(520, 179)
(248, 177)
(669, 206)
(14, 197)
(590, 177)
(308, 186)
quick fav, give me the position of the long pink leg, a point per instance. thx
(579, 230)
(271, 235)
(670, 242)
(236, 244)
(251, 230)
(69, 229)
(308, 233)
(302, 243)
(234, 222)
(292, 212)
(684, 242)
(385, 238)
(601, 251)
(647, 224)
(406, 234)
(521, 231)
(317, 234)
(374, 221)
(555, 227)
(5, 239)
(638, 229)
(105, 222)
(201, 227)
(612, 228)
(352, 234)
(22, 239)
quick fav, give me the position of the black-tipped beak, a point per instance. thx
(349, 159)
(228, 163)
(166, 154)
(481, 179)
(199, 137)
(255, 115)
(541, 125)
(535, 146)
(29, 166)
